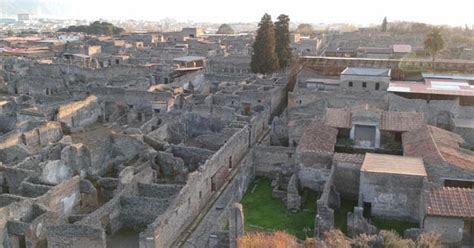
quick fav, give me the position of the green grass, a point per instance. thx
(388, 224)
(340, 215)
(262, 212)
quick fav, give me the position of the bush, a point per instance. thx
(428, 240)
(391, 239)
(336, 239)
(262, 240)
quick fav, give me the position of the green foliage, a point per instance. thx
(264, 58)
(409, 28)
(384, 25)
(434, 42)
(263, 212)
(96, 28)
(305, 29)
(282, 38)
(225, 29)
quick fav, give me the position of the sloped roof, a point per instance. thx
(401, 121)
(437, 145)
(389, 121)
(338, 118)
(392, 164)
(318, 137)
(450, 202)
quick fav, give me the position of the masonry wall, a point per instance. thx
(268, 160)
(392, 195)
(80, 114)
(450, 229)
(194, 195)
(76, 236)
(63, 198)
(347, 179)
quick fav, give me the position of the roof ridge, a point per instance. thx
(435, 144)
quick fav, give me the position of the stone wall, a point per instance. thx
(450, 229)
(347, 179)
(269, 159)
(76, 236)
(392, 195)
(195, 194)
(77, 115)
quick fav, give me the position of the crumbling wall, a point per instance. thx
(76, 236)
(77, 115)
(197, 191)
(63, 198)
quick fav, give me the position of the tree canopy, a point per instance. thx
(305, 29)
(282, 38)
(264, 59)
(97, 28)
(225, 29)
(434, 42)
(384, 25)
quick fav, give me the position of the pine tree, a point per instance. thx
(264, 58)
(434, 42)
(282, 40)
(384, 25)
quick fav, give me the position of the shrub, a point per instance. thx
(262, 240)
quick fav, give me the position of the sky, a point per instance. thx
(362, 12)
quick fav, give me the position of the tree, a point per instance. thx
(384, 25)
(305, 29)
(282, 40)
(434, 42)
(96, 28)
(264, 59)
(225, 29)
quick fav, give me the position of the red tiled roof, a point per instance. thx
(389, 121)
(318, 137)
(434, 145)
(450, 202)
(338, 118)
(401, 121)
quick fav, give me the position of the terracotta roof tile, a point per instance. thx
(318, 137)
(401, 121)
(338, 118)
(436, 145)
(450, 202)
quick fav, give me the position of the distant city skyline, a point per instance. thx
(361, 12)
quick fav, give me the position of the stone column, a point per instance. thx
(236, 224)
(377, 137)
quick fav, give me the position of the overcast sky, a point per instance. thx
(452, 12)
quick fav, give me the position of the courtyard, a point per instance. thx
(264, 213)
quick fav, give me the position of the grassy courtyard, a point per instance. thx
(264, 213)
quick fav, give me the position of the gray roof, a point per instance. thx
(189, 58)
(366, 72)
(469, 77)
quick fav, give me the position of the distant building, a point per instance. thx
(23, 17)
